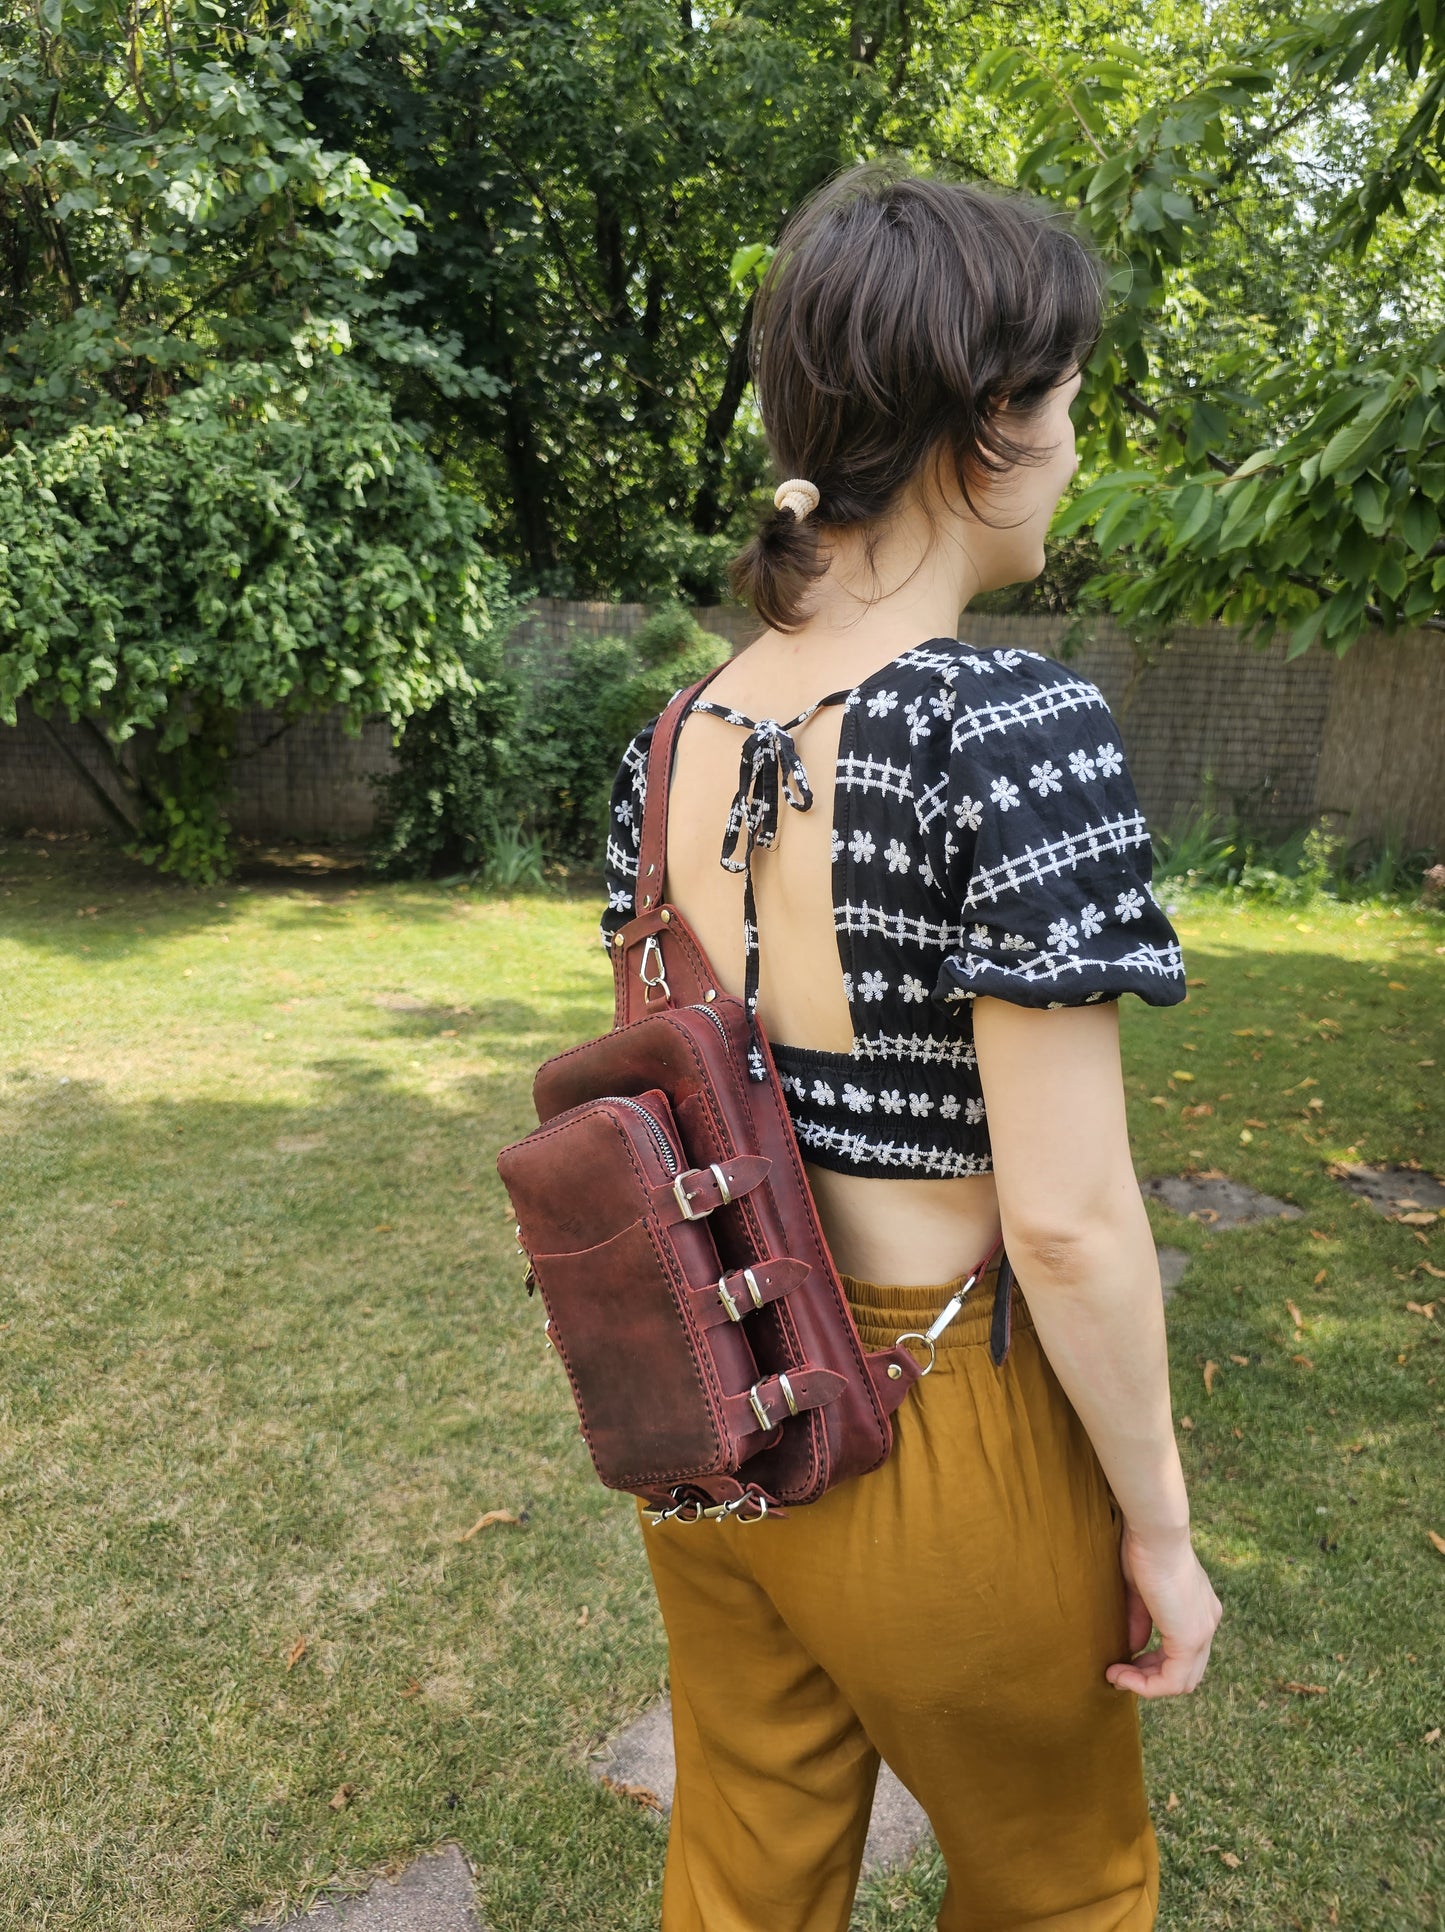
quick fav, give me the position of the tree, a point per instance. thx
(1284, 464)
(257, 542)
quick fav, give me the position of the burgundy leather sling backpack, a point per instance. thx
(668, 1222)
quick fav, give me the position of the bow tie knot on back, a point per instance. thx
(769, 770)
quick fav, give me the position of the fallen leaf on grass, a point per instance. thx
(1308, 1690)
(1431, 1269)
(412, 1688)
(486, 1521)
(1211, 1369)
(585, 1614)
(638, 1793)
(1319, 1277)
(341, 1797)
(295, 1653)
(1295, 1316)
(1171, 1803)
(1231, 1859)
(1196, 1113)
(1303, 1361)
(1425, 1308)
(1437, 1540)
(1177, 1075)
(1186, 1422)
(1240, 1361)
(1254, 1123)
(1433, 1737)
(1423, 1219)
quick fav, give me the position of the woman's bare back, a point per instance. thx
(904, 1231)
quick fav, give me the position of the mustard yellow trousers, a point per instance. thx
(951, 1612)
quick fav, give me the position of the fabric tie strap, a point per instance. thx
(769, 771)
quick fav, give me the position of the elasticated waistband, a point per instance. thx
(884, 1311)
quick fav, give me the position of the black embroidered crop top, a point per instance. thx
(986, 839)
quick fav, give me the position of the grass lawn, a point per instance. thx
(265, 1357)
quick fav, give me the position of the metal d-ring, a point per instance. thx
(916, 1335)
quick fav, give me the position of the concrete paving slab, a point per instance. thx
(1172, 1264)
(1394, 1191)
(1217, 1202)
(434, 1893)
(641, 1756)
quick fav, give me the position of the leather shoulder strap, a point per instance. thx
(652, 852)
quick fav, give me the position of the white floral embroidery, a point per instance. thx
(848, 987)
(618, 901)
(836, 845)
(1014, 942)
(1129, 905)
(982, 938)
(943, 702)
(623, 814)
(1111, 760)
(874, 986)
(822, 1093)
(1063, 937)
(948, 1107)
(1008, 659)
(897, 855)
(913, 712)
(1091, 921)
(973, 1111)
(881, 703)
(969, 812)
(862, 847)
(925, 872)
(1082, 766)
(1046, 778)
(913, 989)
(1004, 794)
(920, 1104)
(857, 1098)
(979, 664)
(891, 1101)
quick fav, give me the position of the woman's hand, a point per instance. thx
(1166, 1589)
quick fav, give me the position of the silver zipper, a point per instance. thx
(660, 1140)
(713, 1015)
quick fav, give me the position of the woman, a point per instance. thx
(941, 935)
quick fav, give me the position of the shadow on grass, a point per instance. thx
(64, 894)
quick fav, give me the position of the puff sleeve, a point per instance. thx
(1047, 852)
(624, 833)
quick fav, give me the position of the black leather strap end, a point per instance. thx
(1001, 1328)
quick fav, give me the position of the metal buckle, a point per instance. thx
(753, 1289)
(758, 1410)
(683, 1201)
(735, 1314)
(786, 1386)
(722, 1183)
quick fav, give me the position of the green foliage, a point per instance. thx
(1279, 465)
(493, 784)
(1204, 849)
(257, 542)
(166, 207)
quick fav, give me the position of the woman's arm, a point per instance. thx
(1076, 1232)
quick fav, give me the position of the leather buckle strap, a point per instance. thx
(699, 1190)
(773, 1399)
(741, 1290)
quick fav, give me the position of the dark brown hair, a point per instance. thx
(899, 313)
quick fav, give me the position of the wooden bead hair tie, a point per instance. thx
(798, 495)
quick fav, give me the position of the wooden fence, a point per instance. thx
(1360, 740)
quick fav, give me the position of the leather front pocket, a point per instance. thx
(642, 1376)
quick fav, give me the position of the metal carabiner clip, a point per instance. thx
(652, 956)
